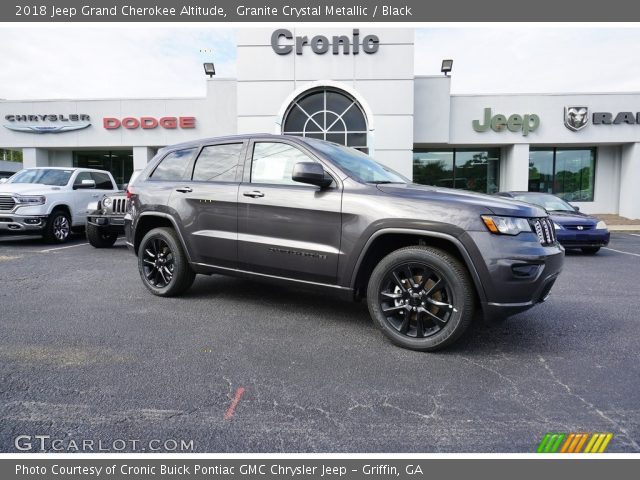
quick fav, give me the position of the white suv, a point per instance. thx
(50, 201)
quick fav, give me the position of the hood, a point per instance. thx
(572, 218)
(490, 203)
(28, 188)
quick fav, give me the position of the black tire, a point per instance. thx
(99, 239)
(162, 263)
(406, 310)
(58, 227)
(590, 250)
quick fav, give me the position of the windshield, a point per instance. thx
(42, 176)
(358, 165)
(548, 202)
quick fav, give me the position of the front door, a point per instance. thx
(286, 228)
(82, 197)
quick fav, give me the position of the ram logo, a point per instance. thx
(576, 118)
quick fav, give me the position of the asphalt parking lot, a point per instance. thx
(86, 353)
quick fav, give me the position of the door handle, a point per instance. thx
(95, 195)
(254, 194)
(184, 189)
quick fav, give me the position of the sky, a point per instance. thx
(54, 61)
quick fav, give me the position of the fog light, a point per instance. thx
(524, 270)
(32, 221)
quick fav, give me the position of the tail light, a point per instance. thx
(129, 193)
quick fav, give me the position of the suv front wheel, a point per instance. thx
(421, 298)
(162, 263)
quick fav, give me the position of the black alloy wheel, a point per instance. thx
(158, 263)
(163, 264)
(416, 300)
(421, 297)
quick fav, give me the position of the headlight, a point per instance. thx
(29, 200)
(506, 225)
(557, 226)
(601, 225)
(106, 202)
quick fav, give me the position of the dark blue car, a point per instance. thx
(573, 229)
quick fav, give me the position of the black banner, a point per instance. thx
(222, 11)
(308, 469)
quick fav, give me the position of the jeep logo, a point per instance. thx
(515, 123)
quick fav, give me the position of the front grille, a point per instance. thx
(119, 205)
(544, 229)
(7, 202)
(579, 227)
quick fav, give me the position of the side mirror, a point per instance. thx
(311, 173)
(576, 208)
(87, 183)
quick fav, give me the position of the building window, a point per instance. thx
(118, 162)
(566, 172)
(468, 169)
(11, 155)
(327, 114)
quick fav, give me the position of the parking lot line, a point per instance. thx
(635, 234)
(234, 403)
(620, 251)
(62, 248)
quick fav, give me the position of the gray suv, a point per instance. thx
(308, 212)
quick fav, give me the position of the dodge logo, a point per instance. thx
(576, 118)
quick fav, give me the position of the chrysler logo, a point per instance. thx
(576, 118)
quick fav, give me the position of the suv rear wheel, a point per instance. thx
(162, 263)
(421, 298)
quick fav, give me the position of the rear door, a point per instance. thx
(206, 204)
(287, 228)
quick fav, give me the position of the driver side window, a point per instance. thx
(272, 163)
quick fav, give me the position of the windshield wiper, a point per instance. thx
(382, 182)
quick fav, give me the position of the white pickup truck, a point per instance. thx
(50, 201)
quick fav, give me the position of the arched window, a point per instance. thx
(327, 114)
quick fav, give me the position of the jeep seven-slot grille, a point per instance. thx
(7, 202)
(544, 229)
(119, 205)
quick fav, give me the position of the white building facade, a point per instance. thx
(358, 87)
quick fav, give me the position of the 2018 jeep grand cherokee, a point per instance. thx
(300, 210)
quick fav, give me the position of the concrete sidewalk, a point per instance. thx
(616, 223)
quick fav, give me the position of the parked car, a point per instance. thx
(105, 221)
(573, 228)
(301, 211)
(50, 201)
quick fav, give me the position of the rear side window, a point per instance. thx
(103, 182)
(173, 166)
(217, 163)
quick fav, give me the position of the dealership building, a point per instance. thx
(358, 87)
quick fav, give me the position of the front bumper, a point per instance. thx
(516, 272)
(107, 223)
(25, 224)
(588, 238)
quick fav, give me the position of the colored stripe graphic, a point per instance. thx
(550, 443)
(598, 443)
(573, 442)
